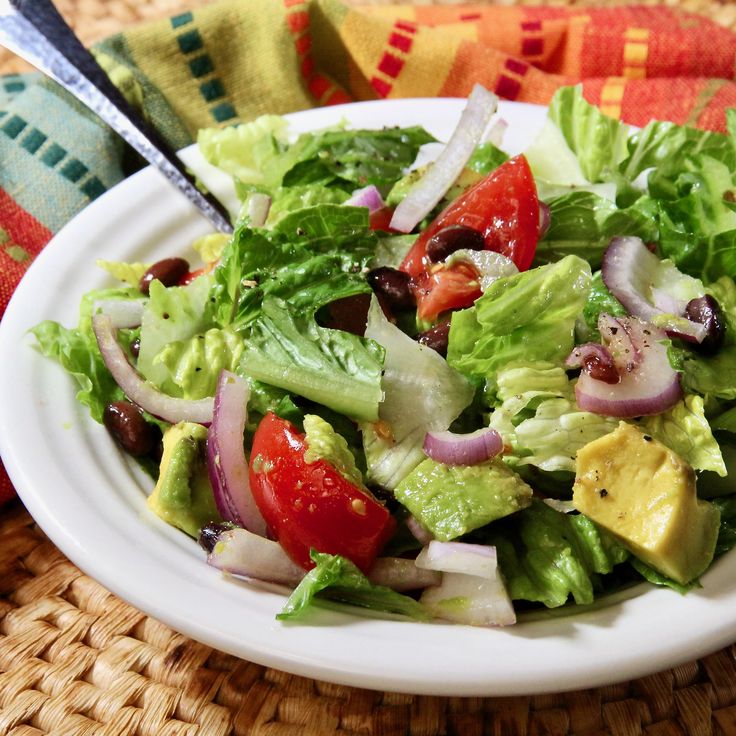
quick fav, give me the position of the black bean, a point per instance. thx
(452, 238)
(135, 347)
(393, 285)
(169, 272)
(210, 533)
(436, 337)
(706, 311)
(127, 425)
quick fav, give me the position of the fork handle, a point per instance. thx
(36, 31)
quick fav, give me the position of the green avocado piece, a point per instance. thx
(183, 494)
(645, 495)
(452, 500)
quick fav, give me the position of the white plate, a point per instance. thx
(91, 501)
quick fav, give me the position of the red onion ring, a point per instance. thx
(627, 270)
(440, 176)
(463, 449)
(545, 219)
(649, 387)
(226, 463)
(138, 390)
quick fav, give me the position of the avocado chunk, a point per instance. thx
(183, 494)
(644, 494)
(452, 500)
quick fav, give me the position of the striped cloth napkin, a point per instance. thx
(235, 59)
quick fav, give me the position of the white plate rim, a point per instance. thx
(111, 537)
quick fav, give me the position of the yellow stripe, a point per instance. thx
(636, 53)
(612, 95)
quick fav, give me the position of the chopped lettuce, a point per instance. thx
(527, 317)
(171, 315)
(547, 556)
(685, 430)
(539, 420)
(127, 273)
(288, 349)
(336, 578)
(421, 393)
(309, 258)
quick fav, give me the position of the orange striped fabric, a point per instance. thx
(638, 63)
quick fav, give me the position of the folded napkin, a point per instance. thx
(235, 59)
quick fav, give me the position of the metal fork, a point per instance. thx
(36, 31)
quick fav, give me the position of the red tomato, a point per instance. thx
(380, 219)
(503, 206)
(311, 505)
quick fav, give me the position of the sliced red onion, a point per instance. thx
(628, 270)
(122, 312)
(472, 590)
(418, 530)
(259, 205)
(595, 360)
(651, 386)
(226, 463)
(496, 133)
(401, 574)
(564, 507)
(616, 333)
(138, 390)
(368, 197)
(240, 552)
(463, 449)
(440, 176)
(545, 219)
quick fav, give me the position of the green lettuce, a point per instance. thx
(310, 258)
(712, 375)
(583, 223)
(527, 317)
(286, 348)
(686, 431)
(598, 141)
(336, 578)
(547, 556)
(172, 315)
(538, 418)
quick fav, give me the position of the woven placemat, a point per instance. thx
(77, 661)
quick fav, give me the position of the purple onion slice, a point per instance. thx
(628, 271)
(137, 389)
(651, 386)
(368, 197)
(226, 462)
(463, 449)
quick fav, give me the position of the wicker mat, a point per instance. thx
(75, 660)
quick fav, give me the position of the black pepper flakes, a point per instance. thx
(602, 492)
(647, 438)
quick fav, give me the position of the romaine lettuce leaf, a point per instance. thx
(598, 141)
(286, 348)
(421, 393)
(712, 375)
(336, 578)
(171, 315)
(527, 317)
(547, 556)
(583, 223)
(310, 258)
(685, 430)
(538, 418)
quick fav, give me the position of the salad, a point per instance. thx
(454, 390)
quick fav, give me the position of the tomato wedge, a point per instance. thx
(504, 207)
(311, 505)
